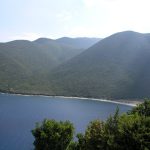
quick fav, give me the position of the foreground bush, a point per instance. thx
(52, 135)
(129, 131)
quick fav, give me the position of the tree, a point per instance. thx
(53, 135)
(111, 131)
(134, 132)
(142, 109)
(119, 132)
(94, 136)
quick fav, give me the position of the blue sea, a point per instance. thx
(18, 115)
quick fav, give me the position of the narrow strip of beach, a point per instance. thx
(132, 103)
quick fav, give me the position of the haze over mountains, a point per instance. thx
(116, 67)
(78, 42)
(23, 63)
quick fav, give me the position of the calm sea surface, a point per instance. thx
(18, 115)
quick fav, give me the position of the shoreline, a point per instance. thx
(121, 102)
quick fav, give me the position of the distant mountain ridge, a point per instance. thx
(82, 42)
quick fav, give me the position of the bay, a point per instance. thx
(18, 115)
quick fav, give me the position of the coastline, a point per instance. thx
(122, 102)
(132, 103)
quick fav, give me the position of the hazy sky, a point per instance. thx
(31, 19)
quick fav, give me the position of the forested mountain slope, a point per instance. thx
(115, 67)
(23, 63)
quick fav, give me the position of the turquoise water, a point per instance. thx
(18, 115)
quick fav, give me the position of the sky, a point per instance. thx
(31, 19)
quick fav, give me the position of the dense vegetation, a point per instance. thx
(117, 67)
(25, 65)
(53, 135)
(119, 132)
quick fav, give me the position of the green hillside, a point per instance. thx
(116, 67)
(24, 64)
(20, 62)
(59, 52)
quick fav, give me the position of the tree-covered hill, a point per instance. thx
(60, 52)
(115, 67)
(24, 64)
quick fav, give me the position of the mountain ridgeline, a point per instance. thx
(116, 67)
(78, 42)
